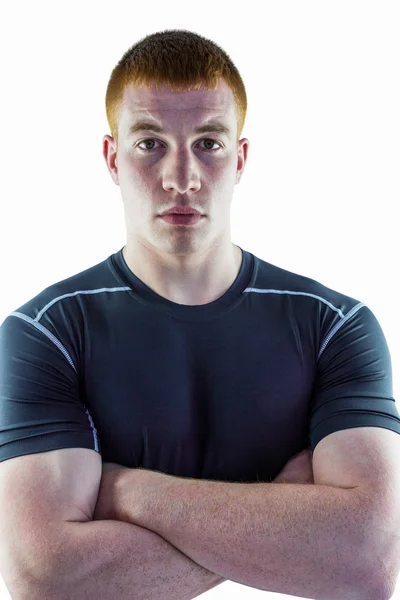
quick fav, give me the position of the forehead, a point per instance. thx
(165, 105)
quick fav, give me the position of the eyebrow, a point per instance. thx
(208, 128)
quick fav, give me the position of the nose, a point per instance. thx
(181, 172)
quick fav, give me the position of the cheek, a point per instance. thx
(223, 169)
(139, 178)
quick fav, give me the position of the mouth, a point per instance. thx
(181, 219)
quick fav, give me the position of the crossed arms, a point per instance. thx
(302, 540)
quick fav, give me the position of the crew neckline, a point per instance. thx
(146, 295)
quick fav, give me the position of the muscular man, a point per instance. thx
(180, 353)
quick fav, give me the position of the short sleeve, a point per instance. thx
(40, 406)
(353, 387)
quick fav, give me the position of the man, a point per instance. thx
(189, 264)
(184, 355)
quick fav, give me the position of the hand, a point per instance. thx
(110, 491)
(298, 470)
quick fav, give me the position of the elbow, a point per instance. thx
(30, 588)
(377, 583)
(383, 568)
(369, 589)
(382, 591)
(386, 586)
(22, 586)
(33, 581)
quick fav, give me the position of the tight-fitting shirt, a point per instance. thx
(229, 390)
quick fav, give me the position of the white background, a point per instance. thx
(320, 191)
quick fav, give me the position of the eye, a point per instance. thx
(203, 149)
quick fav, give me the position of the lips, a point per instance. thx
(179, 219)
(177, 210)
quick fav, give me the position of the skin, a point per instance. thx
(122, 487)
(189, 265)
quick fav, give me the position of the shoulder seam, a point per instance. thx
(338, 325)
(49, 335)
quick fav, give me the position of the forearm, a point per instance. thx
(111, 559)
(301, 540)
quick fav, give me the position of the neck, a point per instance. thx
(200, 280)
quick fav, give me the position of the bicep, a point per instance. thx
(38, 493)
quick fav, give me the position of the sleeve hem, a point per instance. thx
(46, 443)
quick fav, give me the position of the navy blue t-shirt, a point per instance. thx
(229, 390)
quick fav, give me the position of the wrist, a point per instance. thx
(137, 487)
(124, 496)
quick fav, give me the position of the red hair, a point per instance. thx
(179, 58)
